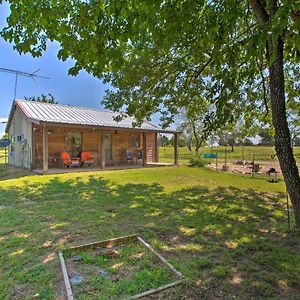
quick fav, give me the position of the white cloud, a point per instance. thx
(3, 120)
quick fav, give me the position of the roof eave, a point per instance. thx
(108, 127)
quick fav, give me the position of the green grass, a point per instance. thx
(226, 233)
(2, 156)
(133, 269)
(261, 153)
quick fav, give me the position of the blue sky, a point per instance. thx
(82, 90)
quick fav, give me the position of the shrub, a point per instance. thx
(197, 160)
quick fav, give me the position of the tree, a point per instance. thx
(267, 138)
(159, 55)
(227, 138)
(192, 126)
(247, 142)
(164, 141)
(43, 98)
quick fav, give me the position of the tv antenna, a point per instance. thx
(32, 75)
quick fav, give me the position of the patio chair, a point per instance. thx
(86, 159)
(69, 162)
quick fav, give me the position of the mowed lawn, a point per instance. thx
(226, 233)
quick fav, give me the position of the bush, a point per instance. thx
(197, 160)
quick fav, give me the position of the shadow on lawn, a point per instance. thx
(226, 241)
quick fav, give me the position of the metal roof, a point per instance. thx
(65, 114)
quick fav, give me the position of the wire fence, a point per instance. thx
(238, 154)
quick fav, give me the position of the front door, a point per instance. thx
(107, 148)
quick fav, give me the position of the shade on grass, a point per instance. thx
(226, 233)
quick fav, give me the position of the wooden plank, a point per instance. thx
(106, 243)
(45, 150)
(66, 277)
(160, 257)
(154, 291)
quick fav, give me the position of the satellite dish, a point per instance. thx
(4, 143)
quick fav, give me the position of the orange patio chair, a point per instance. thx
(68, 161)
(86, 158)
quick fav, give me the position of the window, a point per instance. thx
(135, 141)
(74, 143)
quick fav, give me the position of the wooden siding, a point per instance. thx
(91, 141)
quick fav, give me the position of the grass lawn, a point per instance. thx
(226, 233)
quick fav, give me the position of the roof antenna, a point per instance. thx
(32, 75)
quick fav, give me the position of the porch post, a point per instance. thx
(45, 150)
(33, 148)
(99, 153)
(144, 149)
(102, 151)
(175, 149)
(157, 147)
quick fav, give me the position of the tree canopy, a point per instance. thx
(159, 55)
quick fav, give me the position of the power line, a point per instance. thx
(32, 75)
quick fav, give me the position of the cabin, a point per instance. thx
(41, 132)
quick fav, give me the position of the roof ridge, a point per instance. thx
(66, 105)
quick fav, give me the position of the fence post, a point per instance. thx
(253, 161)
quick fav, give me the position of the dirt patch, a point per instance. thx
(245, 168)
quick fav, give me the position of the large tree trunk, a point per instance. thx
(282, 134)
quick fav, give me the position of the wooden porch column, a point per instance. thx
(144, 149)
(102, 151)
(33, 148)
(175, 149)
(157, 138)
(45, 150)
(99, 153)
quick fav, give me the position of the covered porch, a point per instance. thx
(95, 169)
(110, 148)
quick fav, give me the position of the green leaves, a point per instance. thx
(161, 56)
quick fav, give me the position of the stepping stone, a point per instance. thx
(76, 258)
(102, 273)
(76, 278)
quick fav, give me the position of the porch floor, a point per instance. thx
(107, 168)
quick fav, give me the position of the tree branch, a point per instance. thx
(264, 87)
(259, 11)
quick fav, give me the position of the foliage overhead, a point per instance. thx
(162, 55)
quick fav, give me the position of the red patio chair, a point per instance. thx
(68, 161)
(86, 158)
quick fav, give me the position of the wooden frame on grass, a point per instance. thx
(113, 242)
